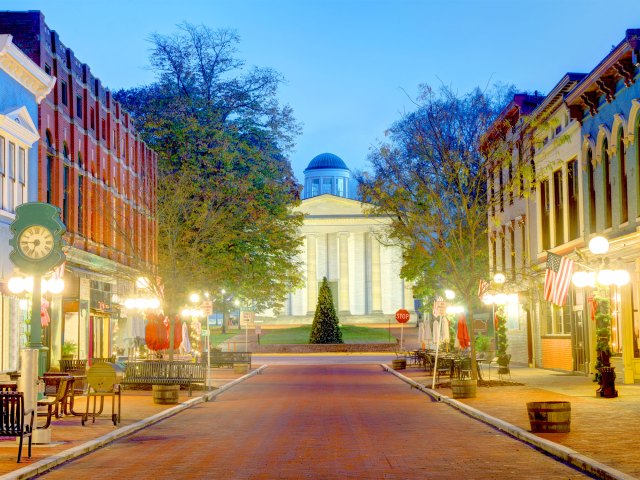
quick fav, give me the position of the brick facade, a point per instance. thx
(92, 163)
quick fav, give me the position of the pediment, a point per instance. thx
(331, 206)
(18, 123)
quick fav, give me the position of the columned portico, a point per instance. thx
(345, 308)
(312, 279)
(376, 291)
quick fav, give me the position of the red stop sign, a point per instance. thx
(402, 316)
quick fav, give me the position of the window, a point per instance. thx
(557, 320)
(544, 214)
(501, 189)
(65, 196)
(11, 175)
(49, 178)
(512, 245)
(92, 118)
(22, 183)
(340, 190)
(79, 106)
(103, 130)
(80, 204)
(47, 69)
(326, 185)
(606, 176)
(64, 93)
(80, 160)
(574, 193)
(592, 191)
(624, 204)
(315, 187)
(558, 205)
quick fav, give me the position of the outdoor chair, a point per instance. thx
(15, 420)
(465, 368)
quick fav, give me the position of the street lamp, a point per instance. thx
(602, 276)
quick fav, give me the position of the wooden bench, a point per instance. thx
(228, 359)
(160, 372)
(15, 420)
(72, 364)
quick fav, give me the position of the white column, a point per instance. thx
(408, 297)
(312, 280)
(376, 291)
(344, 304)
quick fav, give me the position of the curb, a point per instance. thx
(565, 454)
(53, 461)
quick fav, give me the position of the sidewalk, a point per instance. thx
(70, 438)
(603, 429)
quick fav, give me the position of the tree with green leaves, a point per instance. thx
(326, 326)
(226, 190)
(430, 178)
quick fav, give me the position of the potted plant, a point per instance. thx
(69, 350)
(605, 375)
(501, 347)
(482, 345)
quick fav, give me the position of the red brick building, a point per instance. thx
(94, 166)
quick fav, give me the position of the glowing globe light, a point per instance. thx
(621, 277)
(487, 299)
(598, 245)
(499, 278)
(16, 285)
(55, 286)
(580, 279)
(501, 299)
(606, 277)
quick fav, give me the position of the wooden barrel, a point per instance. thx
(399, 364)
(549, 417)
(463, 388)
(240, 367)
(165, 394)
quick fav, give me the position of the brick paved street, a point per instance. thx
(318, 421)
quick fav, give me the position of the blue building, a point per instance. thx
(23, 85)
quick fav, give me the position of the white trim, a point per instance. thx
(19, 125)
(24, 70)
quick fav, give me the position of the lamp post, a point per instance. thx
(602, 277)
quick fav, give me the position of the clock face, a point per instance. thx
(36, 242)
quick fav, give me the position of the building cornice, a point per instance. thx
(19, 125)
(23, 69)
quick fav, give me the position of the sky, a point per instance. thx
(353, 67)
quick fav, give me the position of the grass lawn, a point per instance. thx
(350, 334)
(217, 337)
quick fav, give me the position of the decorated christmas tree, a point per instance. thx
(326, 326)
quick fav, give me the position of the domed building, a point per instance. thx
(343, 244)
(327, 174)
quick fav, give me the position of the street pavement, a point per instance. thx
(331, 421)
(603, 430)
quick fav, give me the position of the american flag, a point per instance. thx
(482, 288)
(557, 278)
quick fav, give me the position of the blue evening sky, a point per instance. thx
(352, 65)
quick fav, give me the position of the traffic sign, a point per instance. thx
(439, 308)
(247, 317)
(402, 316)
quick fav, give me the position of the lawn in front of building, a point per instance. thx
(300, 335)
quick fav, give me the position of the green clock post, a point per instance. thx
(37, 249)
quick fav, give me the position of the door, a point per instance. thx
(578, 345)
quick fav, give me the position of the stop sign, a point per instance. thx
(402, 316)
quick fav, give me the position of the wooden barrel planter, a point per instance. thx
(463, 388)
(165, 394)
(399, 364)
(549, 417)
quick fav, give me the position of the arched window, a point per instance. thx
(50, 166)
(622, 165)
(606, 178)
(80, 165)
(592, 191)
(65, 151)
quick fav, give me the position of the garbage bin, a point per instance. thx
(608, 379)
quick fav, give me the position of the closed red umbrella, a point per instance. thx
(463, 333)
